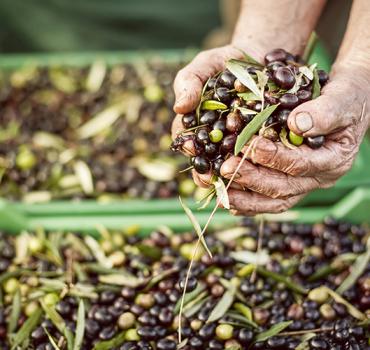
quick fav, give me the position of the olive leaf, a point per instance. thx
(297, 84)
(221, 192)
(316, 88)
(15, 313)
(244, 310)
(51, 339)
(242, 319)
(96, 76)
(353, 311)
(322, 272)
(246, 256)
(189, 296)
(249, 59)
(121, 279)
(246, 270)
(288, 282)
(80, 326)
(262, 80)
(98, 253)
(231, 234)
(284, 139)
(195, 305)
(251, 128)
(249, 96)
(247, 111)
(304, 341)
(196, 225)
(101, 121)
(274, 330)
(240, 71)
(159, 277)
(207, 199)
(28, 326)
(84, 176)
(204, 96)
(112, 343)
(307, 72)
(223, 304)
(159, 169)
(358, 268)
(213, 105)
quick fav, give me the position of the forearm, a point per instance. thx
(355, 48)
(268, 24)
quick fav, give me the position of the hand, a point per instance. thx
(279, 177)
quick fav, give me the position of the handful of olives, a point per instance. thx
(235, 98)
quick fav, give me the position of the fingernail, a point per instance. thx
(303, 121)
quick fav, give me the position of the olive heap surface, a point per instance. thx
(131, 288)
(228, 106)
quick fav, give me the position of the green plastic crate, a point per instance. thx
(349, 199)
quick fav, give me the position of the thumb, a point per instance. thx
(323, 115)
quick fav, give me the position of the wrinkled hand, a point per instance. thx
(274, 178)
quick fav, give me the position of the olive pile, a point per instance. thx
(228, 106)
(131, 288)
(43, 110)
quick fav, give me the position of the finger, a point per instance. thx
(202, 180)
(303, 161)
(335, 109)
(177, 126)
(189, 81)
(269, 182)
(252, 203)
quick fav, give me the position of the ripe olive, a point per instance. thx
(284, 77)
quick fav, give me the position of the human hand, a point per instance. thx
(278, 177)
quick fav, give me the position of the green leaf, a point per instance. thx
(28, 326)
(284, 139)
(350, 308)
(109, 344)
(149, 251)
(213, 105)
(221, 192)
(316, 88)
(244, 310)
(16, 311)
(304, 341)
(357, 269)
(322, 272)
(80, 326)
(98, 253)
(249, 96)
(294, 286)
(207, 199)
(240, 71)
(307, 72)
(251, 128)
(241, 318)
(249, 59)
(249, 257)
(195, 305)
(196, 225)
(121, 279)
(223, 304)
(274, 330)
(189, 296)
(158, 278)
(51, 340)
(262, 79)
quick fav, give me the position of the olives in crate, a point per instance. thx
(252, 98)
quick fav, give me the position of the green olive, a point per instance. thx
(216, 135)
(11, 285)
(320, 295)
(51, 299)
(295, 139)
(224, 331)
(131, 335)
(35, 245)
(145, 300)
(126, 320)
(31, 307)
(25, 159)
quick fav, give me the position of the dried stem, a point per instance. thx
(245, 155)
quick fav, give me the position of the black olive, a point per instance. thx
(282, 117)
(208, 117)
(275, 55)
(227, 79)
(201, 165)
(304, 95)
(315, 142)
(228, 144)
(202, 136)
(220, 125)
(323, 77)
(289, 101)
(284, 78)
(223, 94)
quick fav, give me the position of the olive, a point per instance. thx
(147, 333)
(107, 297)
(63, 308)
(323, 77)
(211, 149)
(276, 342)
(284, 78)
(211, 83)
(246, 116)
(208, 117)
(227, 79)
(166, 316)
(216, 135)
(222, 94)
(202, 136)
(304, 95)
(224, 331)
(228, 144)
(245, 336)
(191, 285)
(220, 125)
(270, 98)
(282, 117)
(275, 55)
(128, 293)
(315, 142)
(215, 344)
(107, 333)
(38, 335)
(103, 316)
(126, 320)
(189, 120)
(217, 164)
(270, 120)
(257, 107)
(289, 101)
(239, 87)
(195, 343)
(234, 122)
(166, 344)
(236, 103)
(273, 66)
(201, 165)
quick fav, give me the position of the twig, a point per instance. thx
(305, 331)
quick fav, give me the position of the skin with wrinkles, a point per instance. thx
(273, 178)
